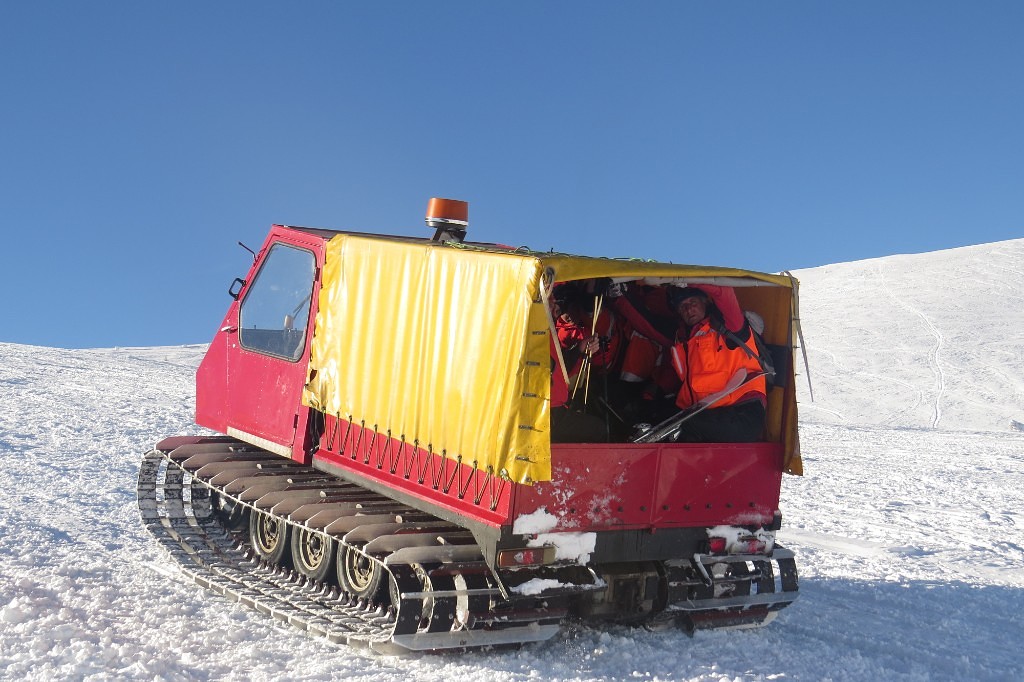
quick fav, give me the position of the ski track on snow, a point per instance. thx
(934, 351)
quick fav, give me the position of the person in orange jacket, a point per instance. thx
(706, 359)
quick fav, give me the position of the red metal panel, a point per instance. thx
(264, 394)
(428, 476)
(624, 486)
(717, 483)
(212, 380)
(595, 486)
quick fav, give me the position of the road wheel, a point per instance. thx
(313, 554)
(360, 576)
(269, 538)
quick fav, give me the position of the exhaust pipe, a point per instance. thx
(449, 218)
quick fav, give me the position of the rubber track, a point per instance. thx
(175, 507)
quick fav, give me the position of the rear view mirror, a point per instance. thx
(239, 283)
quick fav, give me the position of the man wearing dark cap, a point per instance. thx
(706, 358)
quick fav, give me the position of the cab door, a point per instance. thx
(268, 360)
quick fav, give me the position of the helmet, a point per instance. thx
(677, 295)
(567, 295)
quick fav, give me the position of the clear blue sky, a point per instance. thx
(141, 140)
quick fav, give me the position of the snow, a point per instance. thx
(907, 525)
(733, 536)
(539, 521)
(536, 586)
(568, 546)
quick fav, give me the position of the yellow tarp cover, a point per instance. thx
(448, 347)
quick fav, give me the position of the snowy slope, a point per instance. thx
(919, 341)
(909, 525)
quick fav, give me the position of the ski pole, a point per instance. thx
(598, 300)
(671, 426)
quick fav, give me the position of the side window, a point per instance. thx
(275, 312)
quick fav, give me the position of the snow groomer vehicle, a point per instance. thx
(382, 470)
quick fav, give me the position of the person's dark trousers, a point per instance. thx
(570, 426)
(739, 423)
